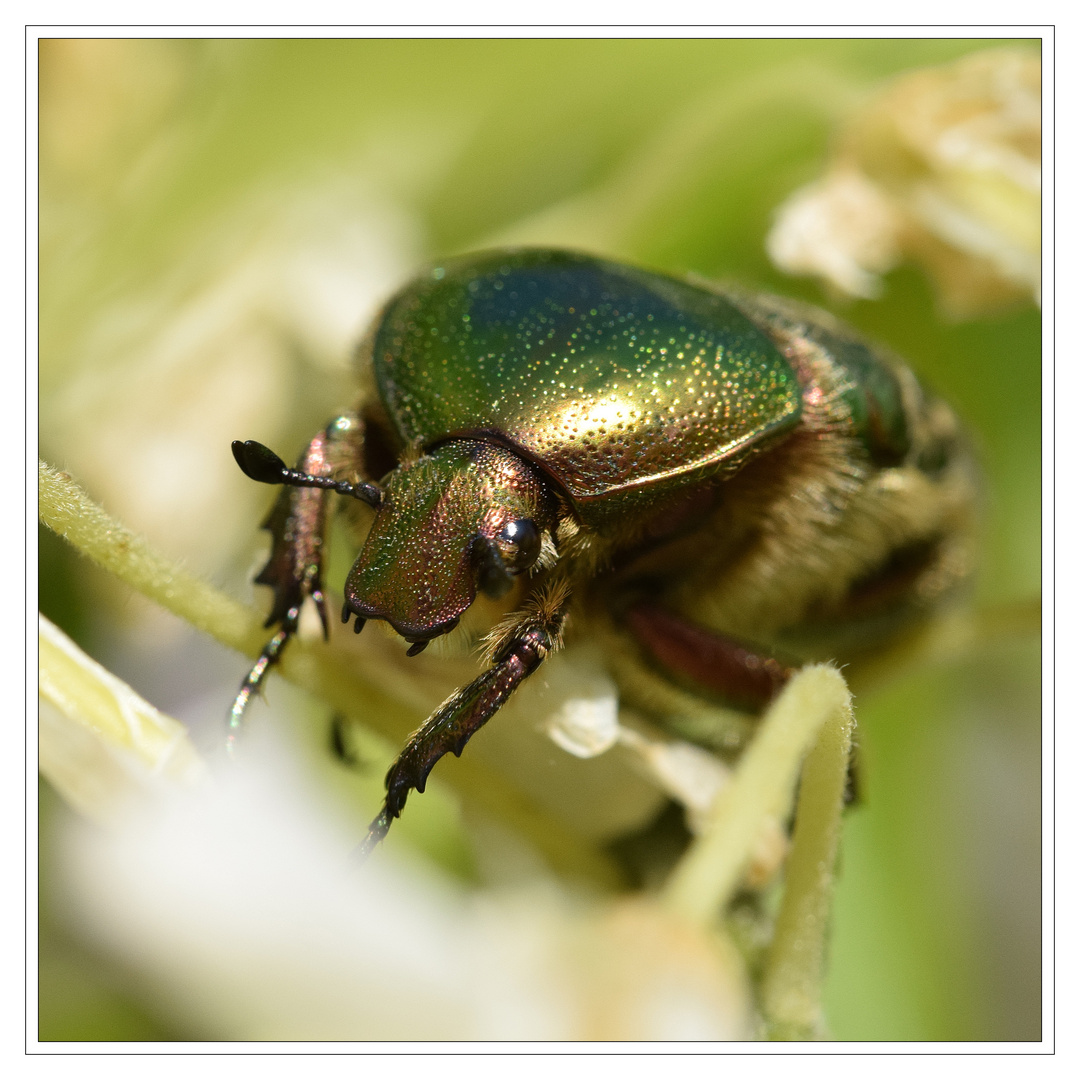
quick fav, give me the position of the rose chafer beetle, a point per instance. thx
(718, 485)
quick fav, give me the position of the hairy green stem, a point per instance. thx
(795, 966)
(761, 787)
(70, 512)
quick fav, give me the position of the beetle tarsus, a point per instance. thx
(271, 653)
(376, 833)
(416, 648)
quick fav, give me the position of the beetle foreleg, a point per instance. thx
(518, 650)
(297, 523)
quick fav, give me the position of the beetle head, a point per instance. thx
(467, 515)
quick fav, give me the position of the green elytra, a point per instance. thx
(610, 378)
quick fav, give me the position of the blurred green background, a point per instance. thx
(186, 185)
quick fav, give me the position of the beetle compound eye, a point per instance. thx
(520, 545)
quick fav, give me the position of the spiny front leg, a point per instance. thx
(517, 651)
(297, 524)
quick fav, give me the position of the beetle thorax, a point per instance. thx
(466, 515)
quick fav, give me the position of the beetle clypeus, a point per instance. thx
(721, 485)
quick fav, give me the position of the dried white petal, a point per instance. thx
(842, 228)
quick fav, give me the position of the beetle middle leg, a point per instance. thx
(516, 649)
(297, 524)
(743, 677)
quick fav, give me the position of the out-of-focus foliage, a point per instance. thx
(219, 219)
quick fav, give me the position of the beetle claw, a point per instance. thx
(416, 648)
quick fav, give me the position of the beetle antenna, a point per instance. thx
(260, 463)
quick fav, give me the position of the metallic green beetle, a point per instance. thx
(719, 485)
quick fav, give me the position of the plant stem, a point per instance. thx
(795, 966)
(70, 512)
(761, 786)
